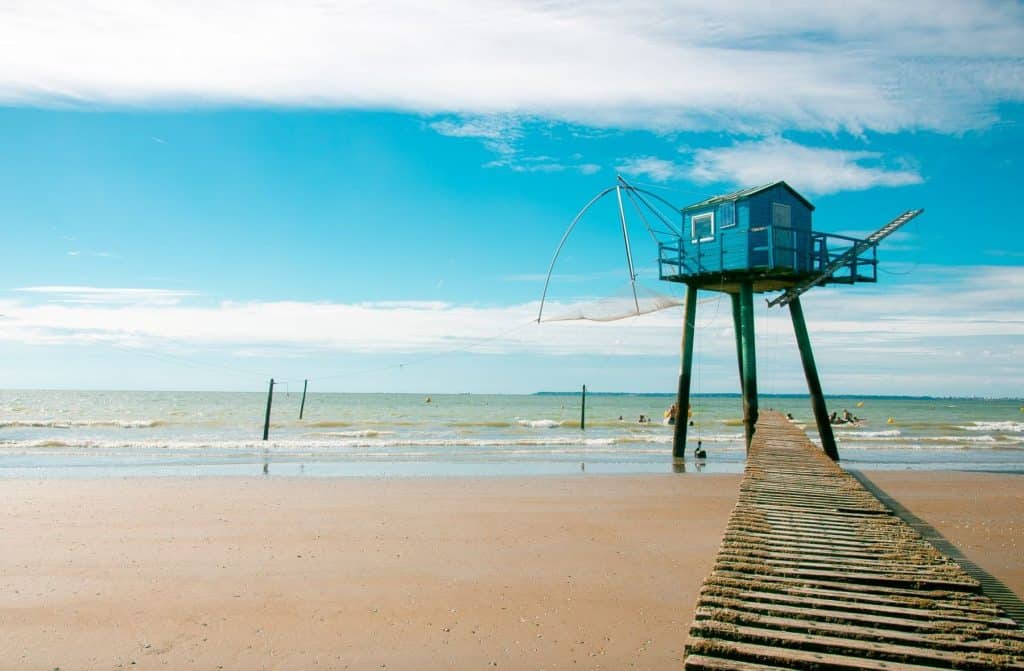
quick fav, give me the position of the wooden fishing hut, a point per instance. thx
(754, 241)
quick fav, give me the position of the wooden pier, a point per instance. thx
(816, 573)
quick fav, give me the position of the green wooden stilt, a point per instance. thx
(828, 440)
(737, 328)
(749, 369)
(683, 392)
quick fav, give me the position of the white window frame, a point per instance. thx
(735, 216)
(693, 227)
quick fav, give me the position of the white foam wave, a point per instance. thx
(79, 423)
(1002, 427)
(365, 433)
(539, 423)
(369, 444)
(891, 433)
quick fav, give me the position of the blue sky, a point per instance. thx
(202, 198)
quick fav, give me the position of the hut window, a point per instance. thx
(780, 215)
(702, 227)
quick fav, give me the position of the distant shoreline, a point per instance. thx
(573, 392)
(888, 397)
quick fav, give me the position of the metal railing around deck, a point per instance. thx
(766, 248)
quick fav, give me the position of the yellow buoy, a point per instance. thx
(890, 421)
(860, 404)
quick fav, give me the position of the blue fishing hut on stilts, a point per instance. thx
(760, 240)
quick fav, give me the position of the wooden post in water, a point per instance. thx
(302, 406)
(749, 360)
(685, 368)
(828, 440)
(583, 409)
(270, 398)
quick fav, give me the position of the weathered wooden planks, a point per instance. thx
(814, 572)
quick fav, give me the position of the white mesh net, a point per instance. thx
(621, 305)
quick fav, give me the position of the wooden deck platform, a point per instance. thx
(814, 572)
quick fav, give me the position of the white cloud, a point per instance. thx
(989, 301)
(900, 338)
(811, 169)
(652, 167)
(938, 64)
(815, 170)
(500, 134)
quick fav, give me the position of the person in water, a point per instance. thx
(672, 413)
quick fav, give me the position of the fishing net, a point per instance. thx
(621, 305)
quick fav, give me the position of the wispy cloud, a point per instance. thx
(815, 170)
(872, 65)
(107, 295)
(101, 255)
(499, 134)
(867, 339)
(658, 169)
(502, 135)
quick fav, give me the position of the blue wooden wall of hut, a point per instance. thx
(763, 228)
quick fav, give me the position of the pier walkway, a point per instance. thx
(816, 573)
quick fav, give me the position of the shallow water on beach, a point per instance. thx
(102, 433)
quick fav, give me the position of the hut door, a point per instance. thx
(783, 237)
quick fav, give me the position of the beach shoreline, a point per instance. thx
(596, 571)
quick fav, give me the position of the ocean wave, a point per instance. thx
(79, 423)
(935, 444)
(901, 441)
(539, 423)
(333, 442)
(892, 433)
(1003, 427)
(329, 424)
(365, 433)
(494, 424)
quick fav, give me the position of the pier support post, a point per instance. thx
(828, 440)
(737, 327)
(685, 368)
(302, 406)
(749, 363)
(270, 399)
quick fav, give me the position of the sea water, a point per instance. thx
(117, 433)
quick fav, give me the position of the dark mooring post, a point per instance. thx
(686, 366)
(270, 398)
(749, 360)
(302, 406)
(828, 440)
(583, 408)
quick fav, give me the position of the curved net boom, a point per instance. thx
(610, 309)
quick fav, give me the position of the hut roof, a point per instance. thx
(746, 193)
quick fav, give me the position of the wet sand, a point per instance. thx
(520, 573)
(981, 514)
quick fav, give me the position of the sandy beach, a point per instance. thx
(521, 573)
